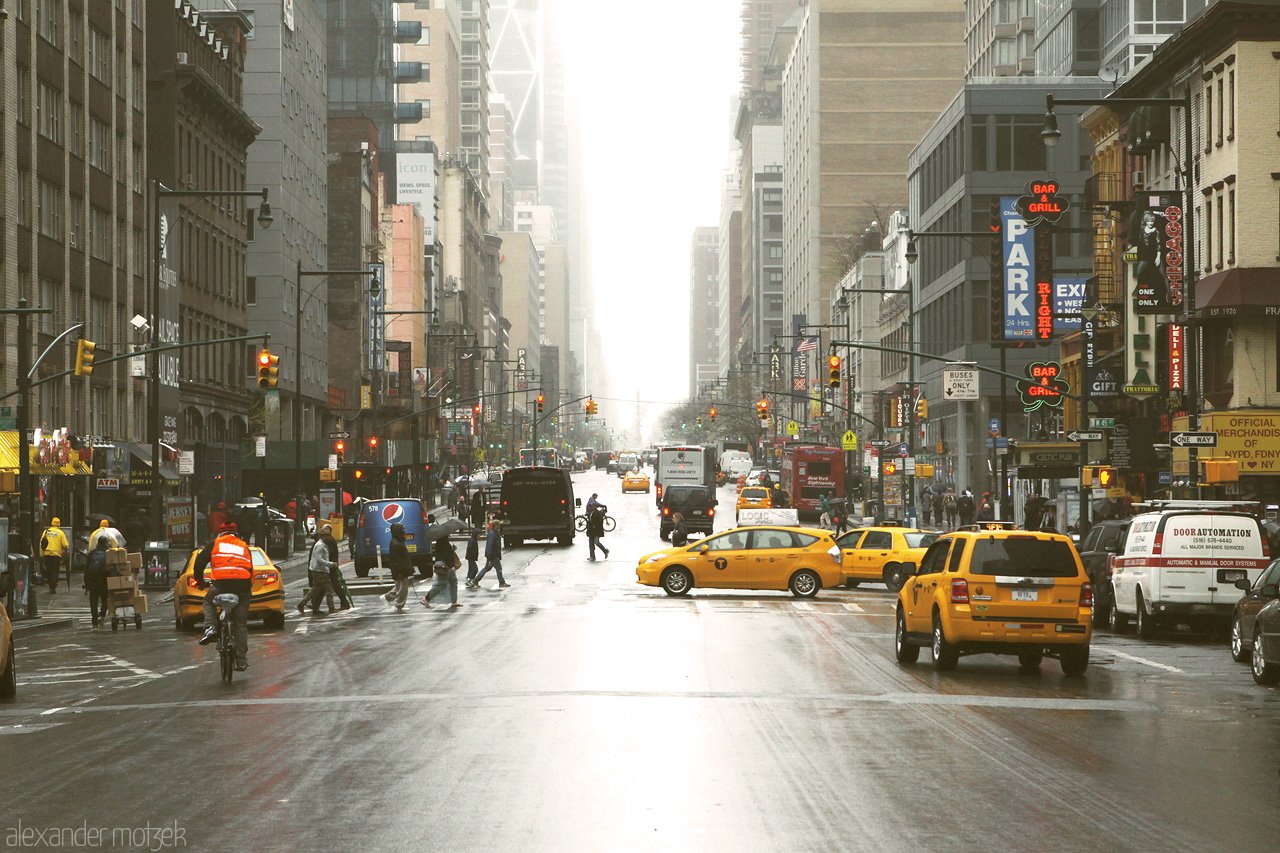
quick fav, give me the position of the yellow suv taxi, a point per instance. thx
(879, 553)
(800, 559)
(9, 675)
(996, 590)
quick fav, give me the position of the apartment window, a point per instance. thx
(99, 145)
(75, 43)
(425, 38)
(1019, 147)
(50, 297)
(772, 196)
(49, 112)
(139, 87)
(251, 290)
(138, 168)
(23, 79)
(75, 130)
(1231, 105)
(1231, 226)
(100, 319)
(978, 144)
(1221, 231)
(1208, 117)
(49, 21)
(24, 197)
(50, 199)
(99, 233)
(100, 55)
(1208, 233)
(74, 222)
(1222, 101)
(773, 251)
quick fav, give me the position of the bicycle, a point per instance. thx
(580, 523)
(226, 602)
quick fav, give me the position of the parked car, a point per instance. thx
(1100, 546)
(1264, 589)
(1265, 654)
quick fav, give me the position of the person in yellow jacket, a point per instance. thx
(53, 552)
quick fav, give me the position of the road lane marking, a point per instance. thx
(301, 629)
(853, 608)
(801, 605)
(1136, 659)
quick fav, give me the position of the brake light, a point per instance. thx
(711, 512)
(266, 577)
(360, 521)
(959, 591)
(1111, 564)
(666, 510)
(1157, 545)
(191, 582)
(1086, 595)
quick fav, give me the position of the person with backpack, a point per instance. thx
(965, 507)
(595, 530)
(95, 581)
(53, 552)
(446, 564)
(473, 556)
(949, 508)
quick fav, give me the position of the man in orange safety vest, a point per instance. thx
(230, 568)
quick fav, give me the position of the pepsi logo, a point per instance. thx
(392, 513)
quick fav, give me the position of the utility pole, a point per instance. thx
(26, 494)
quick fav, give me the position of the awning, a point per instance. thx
(140, 475)
(1237, 291)
(9, 458)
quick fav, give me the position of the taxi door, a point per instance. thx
(848, 543)
(873, 552)
(774, 554)
(921, 589)
(722, 561)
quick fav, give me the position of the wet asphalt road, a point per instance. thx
(579, 711)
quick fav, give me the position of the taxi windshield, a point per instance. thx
(920, 540)
(1022, 557)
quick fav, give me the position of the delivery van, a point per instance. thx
(372, 538)
(1181, 566)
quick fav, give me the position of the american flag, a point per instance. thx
(807, 345)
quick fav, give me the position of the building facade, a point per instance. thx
(704, 309)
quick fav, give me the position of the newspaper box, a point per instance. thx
(155, 565)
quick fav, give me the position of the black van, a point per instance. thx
(695, 502)
(537, 503)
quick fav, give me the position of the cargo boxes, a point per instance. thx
(117, 557)
(135, 562)
(122, 582)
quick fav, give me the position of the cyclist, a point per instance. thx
(231, 570)
(592, 503)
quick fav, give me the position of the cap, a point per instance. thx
(57, 520)
(103, 523)
(228, 526)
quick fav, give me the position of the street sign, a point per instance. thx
(1194, 439)
(849, 441)
(186, 463)
(343, 434)
(911, 464)
(793, 428)
(333, 462)
(1076, 435)
(960, 382)
(1001, 441)
(1102, 423)
(111, 483)
(993, 426)
(903, 450)
(878, 442)
(260, 445)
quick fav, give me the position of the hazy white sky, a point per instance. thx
(654, 83)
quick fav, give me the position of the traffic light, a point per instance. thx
(588, 410)
(713, 414)
(339, 450)
(1106, 476)
(699, 421)
(475, 410)
(762, 409)
(84, 357)
(540, 406)
(922, 409)
(373, 447)
(268, 369)
(833, 378)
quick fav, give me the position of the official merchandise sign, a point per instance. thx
(1044, 387)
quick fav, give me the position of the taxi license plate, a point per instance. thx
(1025, 595)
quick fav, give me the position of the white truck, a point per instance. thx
(685, 464)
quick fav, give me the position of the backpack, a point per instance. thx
(96, 568)
(949, 501)
(44, 542)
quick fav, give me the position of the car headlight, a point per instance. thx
(655, 558)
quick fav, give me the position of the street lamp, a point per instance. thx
(299, 523)
(158, 191)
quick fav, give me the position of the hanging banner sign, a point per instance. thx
(1042, 204)
(1177, 355)
(1155, 230)
(1018, 246)
(1045, 386)
(1044, 284)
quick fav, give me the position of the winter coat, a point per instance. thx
(595, 523)
(680, 534)
(473, 547)
(493, 545)
(398, 558)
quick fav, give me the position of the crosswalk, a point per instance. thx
(75, 663)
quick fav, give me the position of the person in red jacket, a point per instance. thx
(231, 569)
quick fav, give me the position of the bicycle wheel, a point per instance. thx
(609, 524)
(227, 653)
(580, 524)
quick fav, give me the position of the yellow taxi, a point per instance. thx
(635, 481)
(991, 589)
(267, 603)
(753, 497)
(878, 553)
(9, 677)
(800, 559)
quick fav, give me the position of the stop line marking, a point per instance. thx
(1137, 659)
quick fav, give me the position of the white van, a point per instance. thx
(1182, 565)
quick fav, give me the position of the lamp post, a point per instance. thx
(158, 192)
(299, 523)
(1050, 134)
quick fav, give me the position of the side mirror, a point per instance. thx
(1243, 585)
(704, 549)
(577, 501)
(1110, 548)
(1271, 591)
(908, 570)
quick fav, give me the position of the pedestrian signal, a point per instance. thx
(833, 380)
(84, 357)
(268, 370)
(1106, 476)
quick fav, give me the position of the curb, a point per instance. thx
(40, 625)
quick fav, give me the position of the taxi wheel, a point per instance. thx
(9, 679)
(905, 652)
(1030, 660)
(892, 577)
(1263, 672)
(1238, 654)
(1144, 624)
(852, 584)
(1074, 660)
(274, 621)
(677, 581)
(805, 583)
(945, 655)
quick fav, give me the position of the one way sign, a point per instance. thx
(1084, 436)
(1194, 439)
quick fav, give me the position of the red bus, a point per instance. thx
(809, 472)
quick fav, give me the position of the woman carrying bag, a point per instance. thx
(446, 572)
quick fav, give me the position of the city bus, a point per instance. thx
(809, 472)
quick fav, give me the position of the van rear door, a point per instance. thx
(1202, 554)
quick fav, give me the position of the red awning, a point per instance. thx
(1232, 292)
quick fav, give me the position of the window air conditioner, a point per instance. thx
(1140, 179)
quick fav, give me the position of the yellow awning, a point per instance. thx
(9, 458)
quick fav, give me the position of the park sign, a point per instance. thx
(1044, 387)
